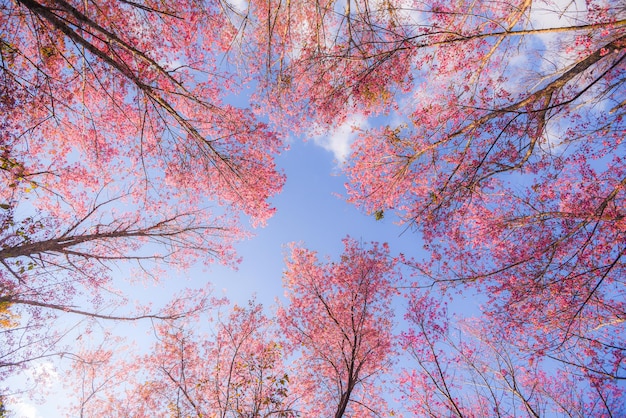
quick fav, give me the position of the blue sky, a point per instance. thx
(310, 211)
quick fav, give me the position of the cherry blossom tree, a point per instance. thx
(472, 369)
(101, 117)
(48, 333)
(100, 103)
(238, 371)
(339, 321)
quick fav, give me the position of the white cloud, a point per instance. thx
(559, 13)
(24, 410)
(408, 15)
(239, 6)
(340, 139)
(44, 373)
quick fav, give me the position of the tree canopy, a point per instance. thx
(146, 132)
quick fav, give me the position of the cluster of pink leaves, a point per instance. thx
(339, 318)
